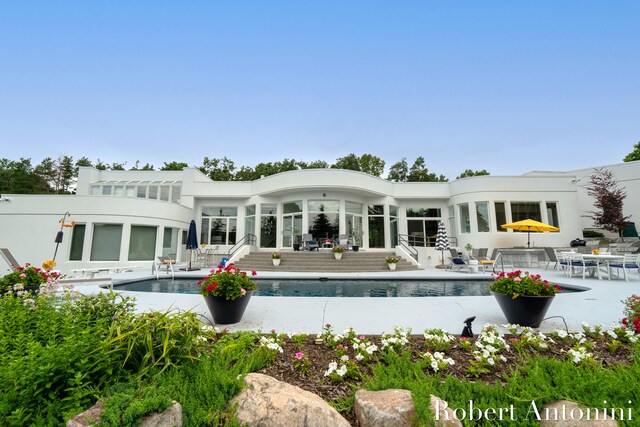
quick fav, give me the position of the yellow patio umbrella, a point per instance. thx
(530, 225)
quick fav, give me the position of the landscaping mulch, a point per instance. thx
(321, 356)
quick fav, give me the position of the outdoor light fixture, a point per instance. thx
(466, 331)
(59, 235)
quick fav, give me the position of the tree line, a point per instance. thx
(56, 176)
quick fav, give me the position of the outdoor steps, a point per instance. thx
(322, 262)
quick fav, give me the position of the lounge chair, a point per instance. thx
(457, 263)
(551, 254)
(8, 256)
(480, 255)
(166, 262)
(308, 243)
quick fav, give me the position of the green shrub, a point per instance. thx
(591, 233)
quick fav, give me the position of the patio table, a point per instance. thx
(602, 260)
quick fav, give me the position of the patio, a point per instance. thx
(599, 305)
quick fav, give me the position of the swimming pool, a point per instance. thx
(322, 287)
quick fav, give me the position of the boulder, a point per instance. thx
(171, 417)
(267, 402)
(566, 413)
(88, 418)
(383, 408)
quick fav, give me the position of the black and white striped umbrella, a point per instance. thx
(442, 241)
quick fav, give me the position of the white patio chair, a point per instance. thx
(629, 262)
(577, 262)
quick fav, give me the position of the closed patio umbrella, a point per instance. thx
(192, 242)
(442, 242)
(530, 225)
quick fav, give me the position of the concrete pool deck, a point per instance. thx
(601, 304)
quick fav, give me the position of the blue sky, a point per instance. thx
(504, 86)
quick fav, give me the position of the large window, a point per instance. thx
(393, 225)
(376, 226)
(142, 244)
(482, 216)
(501, 215)
(552, 214)
(354, 221)
(250, 219)
(170, 242)
(219, 225)
(465, 223)
(77, 242)
(268, 222)
(106, 242)
(324, 218)
(422, 226)
(525, 210)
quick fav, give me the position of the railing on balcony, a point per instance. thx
(248, 239)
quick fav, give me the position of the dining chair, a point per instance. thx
(629, 261)
(576, 261)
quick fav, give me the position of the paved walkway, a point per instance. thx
(601, 304)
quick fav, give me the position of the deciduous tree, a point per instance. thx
(609, 200)
(634, 155)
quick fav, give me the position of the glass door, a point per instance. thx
(291, 227)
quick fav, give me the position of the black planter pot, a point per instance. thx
(296, 246)
(225, 312)
(355, 248)
(524, 310)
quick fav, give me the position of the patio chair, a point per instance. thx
(457, 263)
(163, 261)
(551, 254)
(630, 261)
(308, 243)
(576, 261)
(344, 241)
(8, 256)
(481, 255)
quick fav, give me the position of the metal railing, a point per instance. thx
(404, 244)
(248, 239)
(426, 242)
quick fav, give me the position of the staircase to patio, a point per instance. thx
(323, 262)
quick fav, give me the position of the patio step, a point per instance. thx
(323, 262)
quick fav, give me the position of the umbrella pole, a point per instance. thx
(528, 239)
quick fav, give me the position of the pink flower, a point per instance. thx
(22, 276)
(244, 291)
(299, 355)
(253, 272)
(361, 337)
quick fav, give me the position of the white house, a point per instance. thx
(127, 218)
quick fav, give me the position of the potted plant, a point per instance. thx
(276, 257)
(297, 238)
(392, 261)
(28, 278)
(357, 234)
(227, 292)
(523, 297)
(469, 248)
(337, 251)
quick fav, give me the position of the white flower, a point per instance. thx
(344, 358)
(491, 361)
(342, 370)
(359, 357)
(332, 367)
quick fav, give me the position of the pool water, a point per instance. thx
(333, 287)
